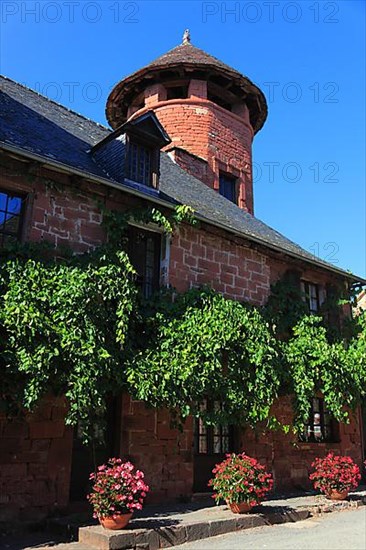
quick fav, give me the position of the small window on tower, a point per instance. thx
(177, 92)
(228, 187)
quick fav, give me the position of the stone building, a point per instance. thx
(182, 132)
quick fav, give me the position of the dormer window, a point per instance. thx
(131, 154)
(142, 163)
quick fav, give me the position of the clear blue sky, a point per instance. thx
(308, 58)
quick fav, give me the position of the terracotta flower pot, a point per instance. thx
(337, 495)
(239, 507)
(119, 522)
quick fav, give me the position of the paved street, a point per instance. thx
(338, 531)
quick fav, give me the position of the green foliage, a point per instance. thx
(316, 365)
(75, 326)
(64, 327)
(65, 321)
(357, 351)
(285, 306)
(116, 222)
(204, 344)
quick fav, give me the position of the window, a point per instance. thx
(228, 187)
(321, 427)
(144, 252)
(177, 92)
(139, 163)
(217, 439)
(11, 214)
(311, 296)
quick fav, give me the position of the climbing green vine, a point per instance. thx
(65, 327)
(76, 326)
(316, 365)
(207, 345)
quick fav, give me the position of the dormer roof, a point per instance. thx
(145, 126)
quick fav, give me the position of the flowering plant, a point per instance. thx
(335, 473)
(117, 489)
(240, 478)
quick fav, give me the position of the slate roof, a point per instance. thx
(189, 57)
(37, 125)
(187, 53)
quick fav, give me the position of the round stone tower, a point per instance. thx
(210, 111)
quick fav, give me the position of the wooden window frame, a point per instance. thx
(154, 152)
(307, 297)
(209, 434)
(315, 432)
(145, 286)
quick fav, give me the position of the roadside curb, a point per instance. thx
(165, 536)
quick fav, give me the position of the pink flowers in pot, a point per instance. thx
(117, 489)
(335, 473)
(240, 478)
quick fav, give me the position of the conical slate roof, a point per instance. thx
(193, 62)
(187, 53)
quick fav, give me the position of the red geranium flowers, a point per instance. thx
(335, 473)
(240, 478)
(118, 489)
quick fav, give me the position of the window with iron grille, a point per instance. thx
(311, 295)
(144, 252)
(11, 217)
(320, 427)
(228, 187)
(216, 439)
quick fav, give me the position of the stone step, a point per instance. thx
(164, 536)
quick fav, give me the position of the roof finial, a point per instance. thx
(186, 37)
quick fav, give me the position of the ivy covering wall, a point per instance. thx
(77, 326)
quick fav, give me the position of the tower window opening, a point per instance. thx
(228, 187)
(219, 101)
(177, 92)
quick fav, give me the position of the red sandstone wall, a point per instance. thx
(196, 166)
(65, 212)
(167, 458)
(35, 462)
(35, 456)
(164, 454)
(208, 131)
(198, 258)
(290, 460)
